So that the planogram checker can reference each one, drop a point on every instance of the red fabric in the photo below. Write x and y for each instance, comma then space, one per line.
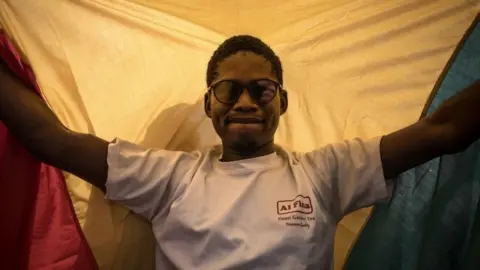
38, 226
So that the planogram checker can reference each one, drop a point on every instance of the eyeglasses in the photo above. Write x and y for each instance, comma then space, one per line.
229, 91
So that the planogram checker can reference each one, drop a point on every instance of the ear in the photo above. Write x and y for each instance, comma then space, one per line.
283, 101
206, 105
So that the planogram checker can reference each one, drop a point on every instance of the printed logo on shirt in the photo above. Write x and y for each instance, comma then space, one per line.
301, 204
296, 212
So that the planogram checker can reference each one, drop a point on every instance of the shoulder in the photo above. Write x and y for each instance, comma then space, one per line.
123, 150
337, 151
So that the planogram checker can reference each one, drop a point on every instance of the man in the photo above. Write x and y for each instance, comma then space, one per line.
247, 203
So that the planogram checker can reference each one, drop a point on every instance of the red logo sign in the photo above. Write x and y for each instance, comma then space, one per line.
301, 204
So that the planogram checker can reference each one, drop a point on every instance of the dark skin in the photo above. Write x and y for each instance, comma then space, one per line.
241, 141
33, 123
452, 128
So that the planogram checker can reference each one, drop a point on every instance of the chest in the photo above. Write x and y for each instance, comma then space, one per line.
260, 213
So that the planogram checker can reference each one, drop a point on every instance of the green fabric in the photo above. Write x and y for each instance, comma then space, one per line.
471, 259
433, 219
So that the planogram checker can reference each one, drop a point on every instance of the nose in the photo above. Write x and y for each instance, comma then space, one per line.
245, 103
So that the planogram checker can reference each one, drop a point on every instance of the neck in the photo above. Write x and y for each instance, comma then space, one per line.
233, 153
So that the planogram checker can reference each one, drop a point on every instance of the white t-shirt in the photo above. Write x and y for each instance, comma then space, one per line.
277, 211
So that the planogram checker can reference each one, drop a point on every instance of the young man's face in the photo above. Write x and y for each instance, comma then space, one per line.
245, 123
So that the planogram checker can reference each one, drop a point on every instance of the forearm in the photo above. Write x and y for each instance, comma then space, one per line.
459, 118
409, 147
30, 120
26, 115
452, 128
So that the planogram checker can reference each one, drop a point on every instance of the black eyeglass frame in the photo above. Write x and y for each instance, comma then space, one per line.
246, 86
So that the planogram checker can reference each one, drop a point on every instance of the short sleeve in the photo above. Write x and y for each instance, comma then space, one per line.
348, 175
143, 179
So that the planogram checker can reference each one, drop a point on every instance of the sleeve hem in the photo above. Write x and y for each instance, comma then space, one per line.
112, 162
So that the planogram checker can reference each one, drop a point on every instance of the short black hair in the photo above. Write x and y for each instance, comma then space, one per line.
243, 43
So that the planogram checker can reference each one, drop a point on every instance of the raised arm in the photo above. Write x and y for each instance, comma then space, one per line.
450, 129
37, 127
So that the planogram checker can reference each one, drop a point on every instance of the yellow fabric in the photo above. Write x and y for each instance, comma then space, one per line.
136, 69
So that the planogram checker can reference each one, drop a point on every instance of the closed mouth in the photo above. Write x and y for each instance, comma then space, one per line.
244, 120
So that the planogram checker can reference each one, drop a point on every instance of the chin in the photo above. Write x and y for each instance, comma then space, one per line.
244, 141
